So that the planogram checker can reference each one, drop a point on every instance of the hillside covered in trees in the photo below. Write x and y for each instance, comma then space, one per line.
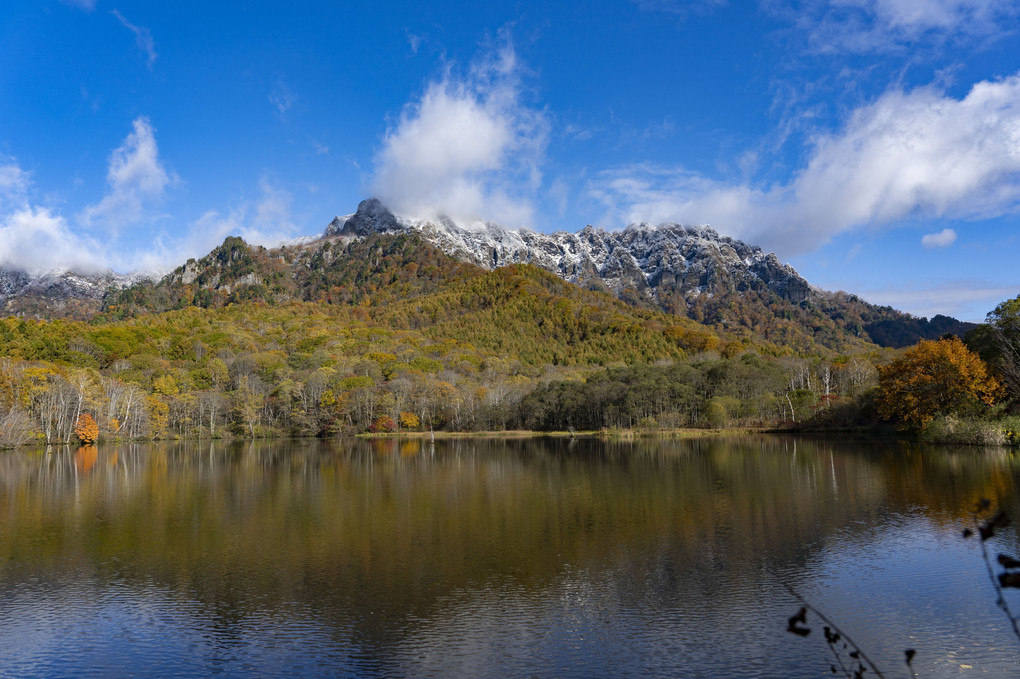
379, 333
248, 369
387, 333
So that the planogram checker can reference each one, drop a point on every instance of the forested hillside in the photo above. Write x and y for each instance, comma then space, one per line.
375, 334
386, 332
249, 369
376, 270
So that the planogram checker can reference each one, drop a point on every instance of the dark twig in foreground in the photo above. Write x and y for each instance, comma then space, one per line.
1010, 575
986, 529
833, 635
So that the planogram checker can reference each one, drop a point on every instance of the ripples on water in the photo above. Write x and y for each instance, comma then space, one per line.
493, 558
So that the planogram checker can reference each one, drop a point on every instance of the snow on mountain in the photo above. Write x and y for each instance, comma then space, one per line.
650, 260
691, 260
685, 270
56, 290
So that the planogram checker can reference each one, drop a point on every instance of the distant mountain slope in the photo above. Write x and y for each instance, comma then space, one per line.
378, 269
900, 330
685, 270
523, 311
57, 294
402, 282
375, 258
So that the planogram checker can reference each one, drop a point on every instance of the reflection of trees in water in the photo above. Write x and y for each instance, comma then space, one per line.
395, 526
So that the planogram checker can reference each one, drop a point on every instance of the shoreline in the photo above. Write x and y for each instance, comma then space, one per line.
611, 434
608, 435
883, 433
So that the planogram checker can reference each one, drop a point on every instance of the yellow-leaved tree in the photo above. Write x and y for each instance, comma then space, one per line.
86, 429
932, 378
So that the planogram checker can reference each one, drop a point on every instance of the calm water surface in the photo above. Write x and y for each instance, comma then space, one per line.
495, 558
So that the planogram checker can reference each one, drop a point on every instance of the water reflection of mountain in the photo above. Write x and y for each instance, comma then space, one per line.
384, 538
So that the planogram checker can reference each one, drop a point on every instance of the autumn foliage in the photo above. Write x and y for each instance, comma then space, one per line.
383, 425
86, 429
935, 378
389, 334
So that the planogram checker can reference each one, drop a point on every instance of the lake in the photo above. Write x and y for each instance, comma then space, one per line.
516, 558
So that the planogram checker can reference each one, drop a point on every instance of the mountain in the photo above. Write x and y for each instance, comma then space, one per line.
377, 258
399, 282
60, 293
684, 270
376, 270
652, 260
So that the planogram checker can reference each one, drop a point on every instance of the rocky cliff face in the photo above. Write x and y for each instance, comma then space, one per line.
686, 270
651, 260
11, 282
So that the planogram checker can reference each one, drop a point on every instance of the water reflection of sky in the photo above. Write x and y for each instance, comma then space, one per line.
915, 584
103, 630
500, 559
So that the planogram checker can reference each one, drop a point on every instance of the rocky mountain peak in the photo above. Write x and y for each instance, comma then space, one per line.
371, 217
643, 258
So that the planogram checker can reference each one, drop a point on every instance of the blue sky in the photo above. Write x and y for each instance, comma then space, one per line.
873, 144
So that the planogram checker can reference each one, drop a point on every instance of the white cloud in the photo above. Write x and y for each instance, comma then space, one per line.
413, 41
911, 18
281, 97
166, 252
13, 185
265, 220
270, 222
942, 239
36, 240
143, 37
922, 15
136, 179
655, 194
468, 148
559, 193
865, 26
909, 154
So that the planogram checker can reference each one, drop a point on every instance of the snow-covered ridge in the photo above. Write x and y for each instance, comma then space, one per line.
654, 260
60, 285
668, 262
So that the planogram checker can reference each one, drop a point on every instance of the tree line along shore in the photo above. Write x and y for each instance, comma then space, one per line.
253, 371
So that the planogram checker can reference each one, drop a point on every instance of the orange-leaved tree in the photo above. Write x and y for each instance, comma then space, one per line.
86, 429
932, 378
